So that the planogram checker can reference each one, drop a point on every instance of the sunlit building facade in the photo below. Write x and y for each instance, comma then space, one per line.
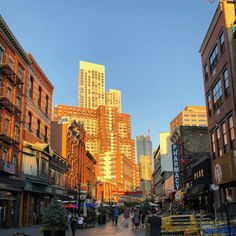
91, 85
190, 116
113, 98
218, 53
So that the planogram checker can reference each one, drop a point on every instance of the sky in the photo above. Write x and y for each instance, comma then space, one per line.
150, 49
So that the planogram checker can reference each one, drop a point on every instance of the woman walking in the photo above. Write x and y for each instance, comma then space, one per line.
73, 223
136, 219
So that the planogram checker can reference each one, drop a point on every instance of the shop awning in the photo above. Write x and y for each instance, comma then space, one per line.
197, 190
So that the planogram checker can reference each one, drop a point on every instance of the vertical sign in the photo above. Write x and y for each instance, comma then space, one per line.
176, 169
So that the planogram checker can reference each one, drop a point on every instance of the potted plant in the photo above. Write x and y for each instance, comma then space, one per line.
54, 220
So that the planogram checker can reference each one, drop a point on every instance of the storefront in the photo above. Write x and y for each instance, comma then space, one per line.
198, 195
10, 197
224, 176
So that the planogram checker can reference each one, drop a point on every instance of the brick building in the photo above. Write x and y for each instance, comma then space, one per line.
219, 66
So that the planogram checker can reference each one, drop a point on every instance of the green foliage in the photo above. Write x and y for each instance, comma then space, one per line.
102, 210
131, 204
54, 217
145, 207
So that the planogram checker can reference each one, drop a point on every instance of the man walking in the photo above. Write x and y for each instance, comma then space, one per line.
116, 215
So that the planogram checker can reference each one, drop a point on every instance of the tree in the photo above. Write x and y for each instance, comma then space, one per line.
55, 217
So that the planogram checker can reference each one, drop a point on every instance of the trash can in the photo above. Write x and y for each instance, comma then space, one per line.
155, 225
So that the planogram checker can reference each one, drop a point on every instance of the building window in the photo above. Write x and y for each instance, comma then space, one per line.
217, 94
18, 102
225, 142
45, 134
38, 129
17, 133
213, 145
209, 102
31, 88
222, 42
40, 97
1, 55
20, 72
9, 94
14, 158
231, 130
214, 58
218, 142
46, 107
30, 121
226, 82
206, 72
6, 127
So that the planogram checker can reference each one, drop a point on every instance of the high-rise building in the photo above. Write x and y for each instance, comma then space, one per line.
91, 85
113, 98
108, 137
190, 116
143, 146
218, 53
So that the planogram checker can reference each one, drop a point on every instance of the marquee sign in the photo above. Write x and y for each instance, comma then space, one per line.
176, 166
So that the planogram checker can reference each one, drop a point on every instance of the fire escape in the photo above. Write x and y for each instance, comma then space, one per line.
10, 104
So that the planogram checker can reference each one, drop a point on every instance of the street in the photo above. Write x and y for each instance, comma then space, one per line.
99, 230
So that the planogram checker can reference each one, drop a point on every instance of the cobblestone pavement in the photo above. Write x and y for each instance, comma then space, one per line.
100, 230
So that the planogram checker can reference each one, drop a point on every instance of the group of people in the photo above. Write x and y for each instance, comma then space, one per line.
137, 217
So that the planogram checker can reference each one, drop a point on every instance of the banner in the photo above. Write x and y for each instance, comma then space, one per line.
176, 167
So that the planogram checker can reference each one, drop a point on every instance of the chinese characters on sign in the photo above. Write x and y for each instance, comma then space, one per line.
176, 170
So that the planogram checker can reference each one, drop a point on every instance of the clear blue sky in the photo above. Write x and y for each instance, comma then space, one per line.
149, 47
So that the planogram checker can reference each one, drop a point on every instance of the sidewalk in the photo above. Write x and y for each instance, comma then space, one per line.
99, 230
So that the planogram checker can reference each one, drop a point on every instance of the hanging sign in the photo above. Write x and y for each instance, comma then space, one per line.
176, 169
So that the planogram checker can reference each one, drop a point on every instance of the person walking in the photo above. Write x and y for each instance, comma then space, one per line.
136, 219
116, 215
126, 216
73, 223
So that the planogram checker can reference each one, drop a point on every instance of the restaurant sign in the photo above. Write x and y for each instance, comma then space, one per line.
176, 167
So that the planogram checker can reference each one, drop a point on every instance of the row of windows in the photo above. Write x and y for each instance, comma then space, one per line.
31, 92
219, 147
38, 134
213, 59
216, 93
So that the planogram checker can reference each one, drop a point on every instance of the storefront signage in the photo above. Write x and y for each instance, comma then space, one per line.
176, 167
224, 169
201, 172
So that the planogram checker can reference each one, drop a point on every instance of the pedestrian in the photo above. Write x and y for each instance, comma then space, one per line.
73, 223
116, 215
126, 216
81, 221
136, 219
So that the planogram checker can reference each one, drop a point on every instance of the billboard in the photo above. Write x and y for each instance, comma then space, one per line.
176, 166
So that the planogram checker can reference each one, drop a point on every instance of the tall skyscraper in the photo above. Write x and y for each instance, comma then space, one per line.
190, 116
91, 85
113, 98
143, 146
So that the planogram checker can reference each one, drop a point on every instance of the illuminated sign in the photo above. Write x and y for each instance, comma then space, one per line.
176, 167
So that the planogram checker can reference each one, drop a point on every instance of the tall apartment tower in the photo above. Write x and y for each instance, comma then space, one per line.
190, 116
91, 85
218, 53
113, 98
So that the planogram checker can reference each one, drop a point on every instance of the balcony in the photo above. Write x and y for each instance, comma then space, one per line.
5, 134
6, 101
7, 71
7, 168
